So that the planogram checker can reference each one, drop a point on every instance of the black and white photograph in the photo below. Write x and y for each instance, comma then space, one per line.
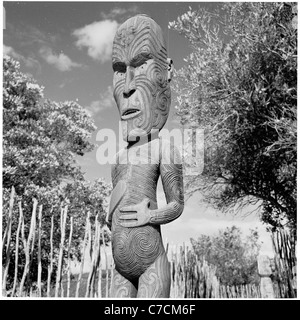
149, 151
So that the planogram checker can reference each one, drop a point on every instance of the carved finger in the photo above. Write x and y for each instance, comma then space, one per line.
130, 224
128, 216
129, 209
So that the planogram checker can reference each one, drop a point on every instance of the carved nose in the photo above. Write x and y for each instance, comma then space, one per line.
127, 94
129, 87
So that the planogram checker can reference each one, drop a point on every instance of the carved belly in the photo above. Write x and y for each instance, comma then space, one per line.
135, 249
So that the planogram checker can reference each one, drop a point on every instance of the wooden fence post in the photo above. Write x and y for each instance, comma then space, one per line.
106, 266
26, 244
63, 220
69, 257
50, 267
39, 278
17, 249
82, 255
265, 272
95, 259
7, 238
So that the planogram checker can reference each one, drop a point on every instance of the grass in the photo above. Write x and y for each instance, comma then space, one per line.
83, 285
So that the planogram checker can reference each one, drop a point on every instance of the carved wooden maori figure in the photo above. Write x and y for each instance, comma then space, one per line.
143, 96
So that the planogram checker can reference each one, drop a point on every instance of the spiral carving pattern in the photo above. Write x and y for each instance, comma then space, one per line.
122, 288
141, 82
135, 250
156, 281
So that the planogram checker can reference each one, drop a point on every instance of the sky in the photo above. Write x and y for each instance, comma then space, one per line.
66, 47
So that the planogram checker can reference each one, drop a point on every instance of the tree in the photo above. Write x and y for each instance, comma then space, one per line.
234, 257
240, 86
41, 140
87, 196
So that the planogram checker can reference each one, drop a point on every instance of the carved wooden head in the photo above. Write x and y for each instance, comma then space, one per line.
141, 84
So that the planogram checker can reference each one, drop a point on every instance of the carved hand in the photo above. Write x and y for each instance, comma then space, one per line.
136, 215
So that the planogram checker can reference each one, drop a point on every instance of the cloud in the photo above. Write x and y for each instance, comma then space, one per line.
117, 11
34, 40
30, 36
98, 38
94, 108
7, 50
28, 62
106, 101
61, 61
65, 82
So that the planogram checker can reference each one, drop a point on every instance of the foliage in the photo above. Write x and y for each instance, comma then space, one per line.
87, 196
41, 140
240, 86
235, 258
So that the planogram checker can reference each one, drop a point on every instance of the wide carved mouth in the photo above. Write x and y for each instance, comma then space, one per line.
129, 113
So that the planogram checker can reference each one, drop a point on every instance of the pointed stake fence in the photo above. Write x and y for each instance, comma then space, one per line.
50, 266
90, 289
191, 277
39, 280
26, 244
63, 219
106, 266
6, 239
285, 263
69, 257
17, 248
82, 255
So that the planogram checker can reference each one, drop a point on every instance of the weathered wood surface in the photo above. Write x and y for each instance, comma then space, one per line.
265, 272
142, 93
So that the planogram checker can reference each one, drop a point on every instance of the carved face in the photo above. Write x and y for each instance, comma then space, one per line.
141, 87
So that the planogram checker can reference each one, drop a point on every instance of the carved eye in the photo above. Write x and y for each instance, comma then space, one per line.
120, 74
142, 66
119, 69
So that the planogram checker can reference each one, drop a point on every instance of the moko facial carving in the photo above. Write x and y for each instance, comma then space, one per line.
142, 93
141, 86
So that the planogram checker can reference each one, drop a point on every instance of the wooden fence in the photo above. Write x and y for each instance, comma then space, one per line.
62, 286
191, 277
284, 264
195, 278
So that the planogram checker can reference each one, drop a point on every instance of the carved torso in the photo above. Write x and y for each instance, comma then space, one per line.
135, 249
